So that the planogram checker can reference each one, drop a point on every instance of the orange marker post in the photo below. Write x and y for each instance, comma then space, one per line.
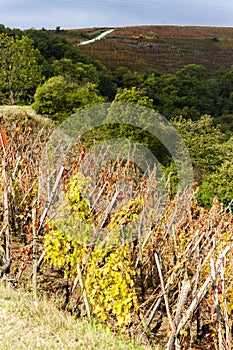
3, 140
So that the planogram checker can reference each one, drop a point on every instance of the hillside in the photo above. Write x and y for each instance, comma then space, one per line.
137, 239
162, 48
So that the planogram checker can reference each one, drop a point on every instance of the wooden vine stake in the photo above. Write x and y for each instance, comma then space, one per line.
214, 275
85, 298
3, 144
34, 254
225, 311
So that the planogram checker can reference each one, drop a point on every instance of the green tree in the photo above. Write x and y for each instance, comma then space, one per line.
77, 72
124, 120
127, 79
64, 67
11, 32
195, 92
20, 69
133, 95
59, 97
204, 142
211, 154
225, 95
107, 86
219, 185
163, 89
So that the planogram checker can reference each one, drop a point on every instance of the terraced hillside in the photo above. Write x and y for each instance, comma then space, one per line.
163, 48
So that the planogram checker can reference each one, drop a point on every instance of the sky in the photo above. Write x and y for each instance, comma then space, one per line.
70, 14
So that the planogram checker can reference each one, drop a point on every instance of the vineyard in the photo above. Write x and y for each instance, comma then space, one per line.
157, 270
162, 48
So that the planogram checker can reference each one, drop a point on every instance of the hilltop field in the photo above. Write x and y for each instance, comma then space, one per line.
162, 48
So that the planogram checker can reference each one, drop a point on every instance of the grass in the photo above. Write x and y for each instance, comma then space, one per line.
25, 324
17, 112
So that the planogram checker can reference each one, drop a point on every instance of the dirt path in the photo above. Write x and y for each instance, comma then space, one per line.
99, 37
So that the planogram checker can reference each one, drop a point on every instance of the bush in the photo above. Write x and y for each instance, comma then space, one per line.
58, 97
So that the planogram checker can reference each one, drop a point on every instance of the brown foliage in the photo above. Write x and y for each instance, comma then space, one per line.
164, 48
182, 254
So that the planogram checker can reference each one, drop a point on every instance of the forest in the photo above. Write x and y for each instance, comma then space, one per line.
93, 228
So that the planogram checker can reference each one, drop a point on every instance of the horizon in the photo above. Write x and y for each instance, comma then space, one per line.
123, 26
68, 14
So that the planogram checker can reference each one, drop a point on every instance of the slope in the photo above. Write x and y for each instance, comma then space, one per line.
163, 48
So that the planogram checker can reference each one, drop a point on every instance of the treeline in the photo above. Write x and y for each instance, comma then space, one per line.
188, 92
41, 68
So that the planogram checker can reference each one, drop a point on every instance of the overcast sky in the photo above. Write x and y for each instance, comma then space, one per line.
113, 13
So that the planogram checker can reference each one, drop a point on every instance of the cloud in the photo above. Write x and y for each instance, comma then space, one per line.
105, 13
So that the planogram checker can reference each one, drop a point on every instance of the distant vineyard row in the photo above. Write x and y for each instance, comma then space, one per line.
164, 48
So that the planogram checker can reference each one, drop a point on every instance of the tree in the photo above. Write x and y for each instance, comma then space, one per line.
204, 142
59, 97
225, 95
134, 95
218, 184
107, 86
11, 32
124, 120
163, 89
195, 92
187, 93
211, 155
126, 79
77, 72
20, 69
